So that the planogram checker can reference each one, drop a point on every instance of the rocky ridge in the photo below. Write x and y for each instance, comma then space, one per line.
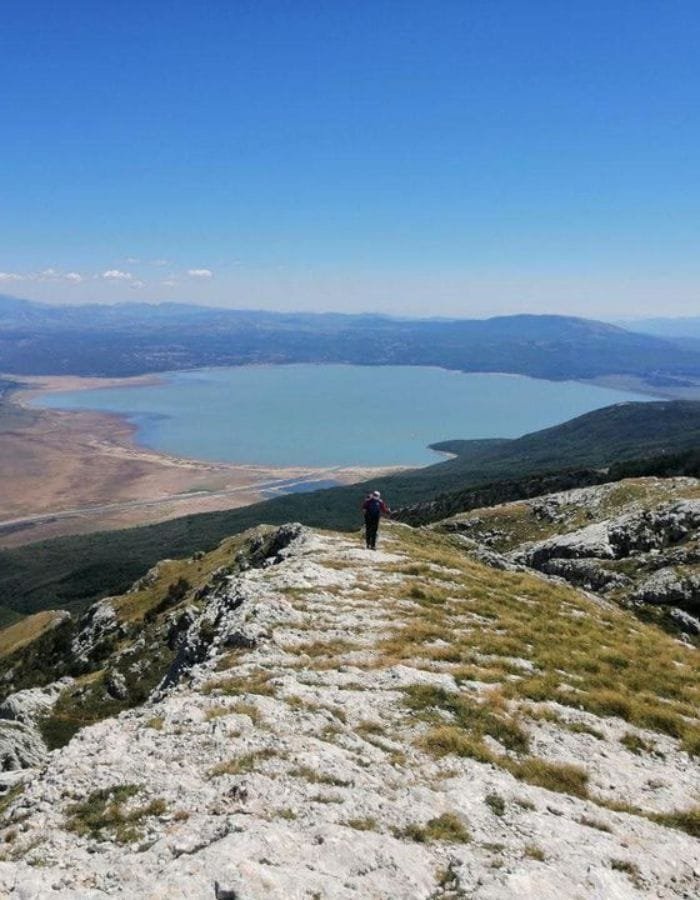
329, 722
636, 542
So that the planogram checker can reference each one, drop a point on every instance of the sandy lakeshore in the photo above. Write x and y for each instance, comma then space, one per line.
71, 472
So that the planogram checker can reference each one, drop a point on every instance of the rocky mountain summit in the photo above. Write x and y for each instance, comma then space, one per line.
292, 716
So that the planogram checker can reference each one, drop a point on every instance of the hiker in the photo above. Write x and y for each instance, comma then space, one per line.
373, 508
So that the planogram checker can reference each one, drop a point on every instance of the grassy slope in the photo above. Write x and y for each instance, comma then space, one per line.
583, 655
14, 637
623, 431
70, 572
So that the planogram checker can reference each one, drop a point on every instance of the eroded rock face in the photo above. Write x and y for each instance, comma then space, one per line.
134, 657
687, 623
116, 685
645, 542
593, 541
636, 533
99, 629
585, 573
21, 743
219, 625
654, 529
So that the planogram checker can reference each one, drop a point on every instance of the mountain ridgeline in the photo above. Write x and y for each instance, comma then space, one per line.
131, 339
629, 439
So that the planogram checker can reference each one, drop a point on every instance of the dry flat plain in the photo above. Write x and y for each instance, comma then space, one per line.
77, 471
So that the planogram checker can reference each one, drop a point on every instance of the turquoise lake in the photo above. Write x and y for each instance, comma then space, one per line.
335, 415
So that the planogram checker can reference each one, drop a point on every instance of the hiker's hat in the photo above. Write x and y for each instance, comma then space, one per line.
376, 494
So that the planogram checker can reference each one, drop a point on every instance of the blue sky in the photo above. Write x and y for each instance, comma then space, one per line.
467, 158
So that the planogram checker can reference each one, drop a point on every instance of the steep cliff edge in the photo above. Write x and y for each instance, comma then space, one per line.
293, 716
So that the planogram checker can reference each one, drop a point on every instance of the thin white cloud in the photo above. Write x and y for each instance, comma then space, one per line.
55, 275
117, 275
125, 277
49, 274
158, 262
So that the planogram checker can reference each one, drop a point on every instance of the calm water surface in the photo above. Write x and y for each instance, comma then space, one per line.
334, 415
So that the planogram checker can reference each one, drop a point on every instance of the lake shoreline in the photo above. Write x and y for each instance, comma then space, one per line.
254, 415
97, 476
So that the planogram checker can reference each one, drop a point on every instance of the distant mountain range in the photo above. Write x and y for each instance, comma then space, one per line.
131, 339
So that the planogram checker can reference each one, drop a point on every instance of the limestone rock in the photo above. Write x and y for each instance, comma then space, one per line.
21, 746
586, 573
116, 685
668, 585
28, 705
98, 628
591, 541
655, 528
687, 623
637, 542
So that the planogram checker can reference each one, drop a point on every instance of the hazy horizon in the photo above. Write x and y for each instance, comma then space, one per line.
614, 320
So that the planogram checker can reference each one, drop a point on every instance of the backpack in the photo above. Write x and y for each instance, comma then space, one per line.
374, 507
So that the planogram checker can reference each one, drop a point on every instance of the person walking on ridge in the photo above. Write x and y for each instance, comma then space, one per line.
374, 507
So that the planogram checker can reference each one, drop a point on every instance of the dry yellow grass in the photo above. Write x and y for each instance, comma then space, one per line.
601, 660
21, 633
239, 765
532, 640
333, 647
